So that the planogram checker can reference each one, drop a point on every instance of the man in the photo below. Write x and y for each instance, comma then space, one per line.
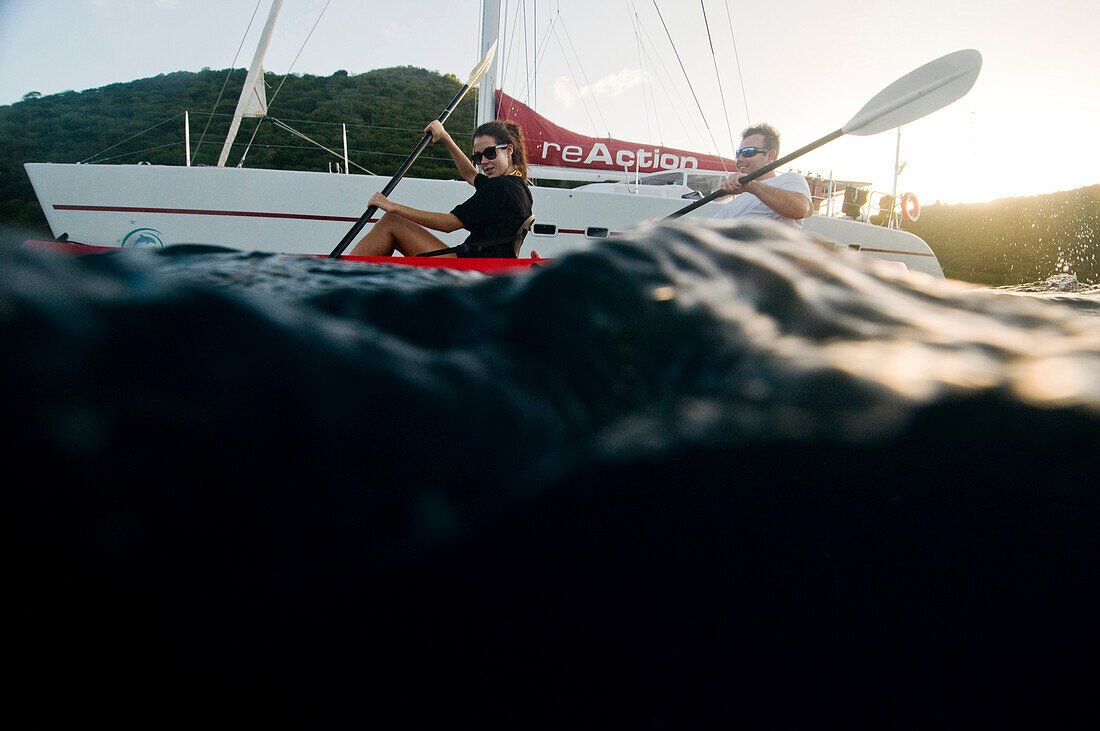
783, 197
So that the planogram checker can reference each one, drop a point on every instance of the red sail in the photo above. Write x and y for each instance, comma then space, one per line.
549, 144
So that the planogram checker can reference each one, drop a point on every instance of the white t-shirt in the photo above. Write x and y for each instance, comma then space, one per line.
747, 205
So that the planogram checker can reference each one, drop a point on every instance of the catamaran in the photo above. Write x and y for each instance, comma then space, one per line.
295, 212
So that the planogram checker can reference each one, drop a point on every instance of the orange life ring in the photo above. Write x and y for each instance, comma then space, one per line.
910, 207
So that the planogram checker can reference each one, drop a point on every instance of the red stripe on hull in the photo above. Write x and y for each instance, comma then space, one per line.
241, 214
205, 212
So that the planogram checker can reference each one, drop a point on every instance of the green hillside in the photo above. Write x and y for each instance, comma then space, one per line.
1016, 240
1004, 242
385, 112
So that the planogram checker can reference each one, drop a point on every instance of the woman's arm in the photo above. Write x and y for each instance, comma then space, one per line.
445, 222
465, 167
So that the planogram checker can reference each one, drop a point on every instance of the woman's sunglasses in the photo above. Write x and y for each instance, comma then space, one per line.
490, 153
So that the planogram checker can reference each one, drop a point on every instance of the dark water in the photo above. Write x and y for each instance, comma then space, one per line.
705, 477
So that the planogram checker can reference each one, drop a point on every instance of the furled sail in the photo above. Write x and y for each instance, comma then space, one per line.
253, 99
558, 153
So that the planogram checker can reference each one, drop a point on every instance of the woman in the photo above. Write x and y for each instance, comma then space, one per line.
493, 215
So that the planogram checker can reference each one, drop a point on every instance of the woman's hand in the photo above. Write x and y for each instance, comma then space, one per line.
380, 201
435, 127
465, 168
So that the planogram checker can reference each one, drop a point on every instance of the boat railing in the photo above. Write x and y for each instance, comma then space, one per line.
854, 201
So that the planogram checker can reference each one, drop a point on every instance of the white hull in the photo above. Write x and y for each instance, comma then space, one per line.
308, 213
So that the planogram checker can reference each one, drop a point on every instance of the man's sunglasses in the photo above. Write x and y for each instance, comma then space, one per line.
490, 153
750, 151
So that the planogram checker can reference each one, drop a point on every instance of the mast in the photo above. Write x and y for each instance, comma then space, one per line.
253, 101
486, 91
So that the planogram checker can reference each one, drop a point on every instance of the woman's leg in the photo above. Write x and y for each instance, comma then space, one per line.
396, 233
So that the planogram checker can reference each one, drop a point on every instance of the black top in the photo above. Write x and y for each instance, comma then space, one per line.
494, 213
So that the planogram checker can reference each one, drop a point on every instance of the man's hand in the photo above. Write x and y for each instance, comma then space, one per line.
732, 184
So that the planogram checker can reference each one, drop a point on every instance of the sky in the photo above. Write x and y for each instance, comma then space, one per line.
1027, 127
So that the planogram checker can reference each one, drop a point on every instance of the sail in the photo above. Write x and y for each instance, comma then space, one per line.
253, 99
551, 146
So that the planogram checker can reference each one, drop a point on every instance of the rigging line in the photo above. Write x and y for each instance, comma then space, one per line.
283, 81
506, 58
674, 104
526, 59
138, 152
240, 163
540, 53
502, 47
507, 52
646, 79
736, 58
123, 142
553, 13
687, 78
580, 94
302, 48
225, 83
540, 50
528, 94
721, 92
588, 84
282, 147
352, 125
293, 131
641, 66
532, 65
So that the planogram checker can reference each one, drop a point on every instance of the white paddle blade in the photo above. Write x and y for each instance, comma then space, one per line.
480, 70
931, 87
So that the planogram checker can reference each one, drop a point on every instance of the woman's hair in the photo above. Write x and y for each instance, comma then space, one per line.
507, 132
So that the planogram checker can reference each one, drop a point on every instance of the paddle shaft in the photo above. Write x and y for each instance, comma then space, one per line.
371, 210
754, 175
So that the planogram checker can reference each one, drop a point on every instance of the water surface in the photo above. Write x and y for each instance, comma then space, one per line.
703, 474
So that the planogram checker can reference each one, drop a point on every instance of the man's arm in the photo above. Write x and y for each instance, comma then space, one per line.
787, 203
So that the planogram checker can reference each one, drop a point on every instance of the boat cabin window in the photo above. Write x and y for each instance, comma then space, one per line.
673, 178
704, 184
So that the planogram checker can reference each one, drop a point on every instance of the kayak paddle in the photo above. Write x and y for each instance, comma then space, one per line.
922, 91
475, 76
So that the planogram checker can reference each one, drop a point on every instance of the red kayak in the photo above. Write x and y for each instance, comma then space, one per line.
488, 266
